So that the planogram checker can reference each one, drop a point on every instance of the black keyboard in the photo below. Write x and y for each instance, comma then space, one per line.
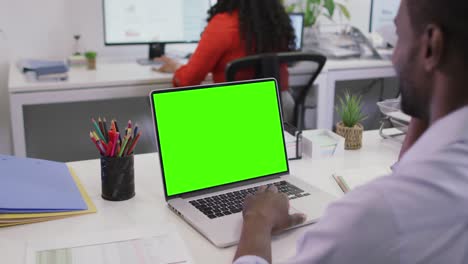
232, 202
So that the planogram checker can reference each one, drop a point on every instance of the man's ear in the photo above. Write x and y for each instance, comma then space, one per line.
434, 47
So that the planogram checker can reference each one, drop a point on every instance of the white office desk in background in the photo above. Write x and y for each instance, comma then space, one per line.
126, 80
148, 208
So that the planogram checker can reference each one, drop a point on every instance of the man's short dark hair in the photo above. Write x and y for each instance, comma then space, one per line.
450, 15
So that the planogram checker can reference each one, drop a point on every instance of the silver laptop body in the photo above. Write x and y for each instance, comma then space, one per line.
216, 212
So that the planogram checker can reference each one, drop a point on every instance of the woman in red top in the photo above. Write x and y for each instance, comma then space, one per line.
236, 28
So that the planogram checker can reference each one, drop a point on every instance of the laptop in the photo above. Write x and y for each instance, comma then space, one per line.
218, 143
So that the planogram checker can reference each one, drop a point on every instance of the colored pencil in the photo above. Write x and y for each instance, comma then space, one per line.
113, 125
117, 129
96, 137
116, 136
96, 126
96, 143
104, 123
132, 146
101, 127
111, 143
135, 130
109, 148
129, 142
102, 147
124, 144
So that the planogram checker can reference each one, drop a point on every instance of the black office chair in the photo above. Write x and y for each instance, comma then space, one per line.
268, 65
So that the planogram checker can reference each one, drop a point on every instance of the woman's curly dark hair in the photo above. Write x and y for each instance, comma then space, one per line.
264, 24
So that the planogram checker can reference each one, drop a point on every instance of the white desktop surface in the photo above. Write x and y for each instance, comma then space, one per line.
107, 74
131, 73
148, 207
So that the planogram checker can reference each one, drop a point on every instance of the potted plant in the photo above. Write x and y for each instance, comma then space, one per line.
312, 10
91, 59
350, 111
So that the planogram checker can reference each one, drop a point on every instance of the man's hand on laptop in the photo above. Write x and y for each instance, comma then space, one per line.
265, 213
270, 209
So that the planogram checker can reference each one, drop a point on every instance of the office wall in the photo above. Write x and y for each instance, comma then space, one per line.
87, 21
5, 142
31, 29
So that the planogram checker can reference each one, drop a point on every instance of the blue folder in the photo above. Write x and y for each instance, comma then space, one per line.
44, 67
37, 186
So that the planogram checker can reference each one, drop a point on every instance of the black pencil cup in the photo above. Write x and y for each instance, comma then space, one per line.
117, 178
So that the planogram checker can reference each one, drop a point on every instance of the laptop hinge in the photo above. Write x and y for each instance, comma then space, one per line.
227, 187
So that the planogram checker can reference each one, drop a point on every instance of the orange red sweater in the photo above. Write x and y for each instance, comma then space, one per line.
220, 44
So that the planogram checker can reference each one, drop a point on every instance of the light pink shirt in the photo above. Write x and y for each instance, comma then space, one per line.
419, 214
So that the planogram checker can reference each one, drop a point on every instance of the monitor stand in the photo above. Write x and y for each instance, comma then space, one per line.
156, 50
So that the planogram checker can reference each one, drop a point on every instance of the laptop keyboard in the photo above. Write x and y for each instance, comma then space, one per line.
232, 202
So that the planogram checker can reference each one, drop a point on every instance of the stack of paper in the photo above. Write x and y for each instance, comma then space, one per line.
33, 190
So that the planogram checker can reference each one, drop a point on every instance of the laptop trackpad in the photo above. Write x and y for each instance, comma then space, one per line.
293, 210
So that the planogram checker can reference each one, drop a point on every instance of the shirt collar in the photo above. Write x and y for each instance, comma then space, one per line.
450, 129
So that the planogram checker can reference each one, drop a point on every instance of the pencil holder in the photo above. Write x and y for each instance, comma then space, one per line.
117, 178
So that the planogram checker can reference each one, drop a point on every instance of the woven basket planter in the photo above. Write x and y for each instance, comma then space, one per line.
352, 135
91, 62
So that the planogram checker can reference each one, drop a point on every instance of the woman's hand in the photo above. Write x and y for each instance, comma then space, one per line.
169, 66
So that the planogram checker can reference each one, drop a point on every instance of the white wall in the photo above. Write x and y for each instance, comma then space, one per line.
45, 29
360, 13
31, 29
5, 145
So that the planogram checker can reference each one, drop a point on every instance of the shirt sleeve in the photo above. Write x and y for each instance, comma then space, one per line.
360, 228
250, 260
214, 42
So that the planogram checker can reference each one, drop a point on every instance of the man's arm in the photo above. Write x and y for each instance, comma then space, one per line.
357, 229
265, 213
258, 244
416, 128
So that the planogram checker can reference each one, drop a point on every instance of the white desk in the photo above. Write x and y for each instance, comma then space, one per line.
148, 206
123, 80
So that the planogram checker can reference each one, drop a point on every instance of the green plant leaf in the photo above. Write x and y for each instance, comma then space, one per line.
330, 7
290, 8
344, 10
350, 109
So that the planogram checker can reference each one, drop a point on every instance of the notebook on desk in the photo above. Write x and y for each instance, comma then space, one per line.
348, 180
219, 143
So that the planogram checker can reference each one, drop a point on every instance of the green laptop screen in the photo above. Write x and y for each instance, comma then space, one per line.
217, 135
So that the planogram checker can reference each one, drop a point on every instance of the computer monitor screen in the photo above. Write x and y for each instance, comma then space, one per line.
383, 12
297, 20
219, 134
150, 21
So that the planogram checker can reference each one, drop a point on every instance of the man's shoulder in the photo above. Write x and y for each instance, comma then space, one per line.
436, 183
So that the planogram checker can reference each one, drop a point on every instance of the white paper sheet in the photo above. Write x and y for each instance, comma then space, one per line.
124, 246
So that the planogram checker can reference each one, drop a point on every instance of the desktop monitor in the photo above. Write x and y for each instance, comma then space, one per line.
297, 21
154, 22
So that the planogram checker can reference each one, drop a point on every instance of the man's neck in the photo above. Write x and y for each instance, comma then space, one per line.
449, 95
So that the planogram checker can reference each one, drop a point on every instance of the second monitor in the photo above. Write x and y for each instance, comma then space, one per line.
154, 22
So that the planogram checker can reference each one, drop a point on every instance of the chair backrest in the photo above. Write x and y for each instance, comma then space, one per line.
268, 65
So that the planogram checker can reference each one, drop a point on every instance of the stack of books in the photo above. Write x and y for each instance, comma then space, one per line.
33, 190
45, 70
